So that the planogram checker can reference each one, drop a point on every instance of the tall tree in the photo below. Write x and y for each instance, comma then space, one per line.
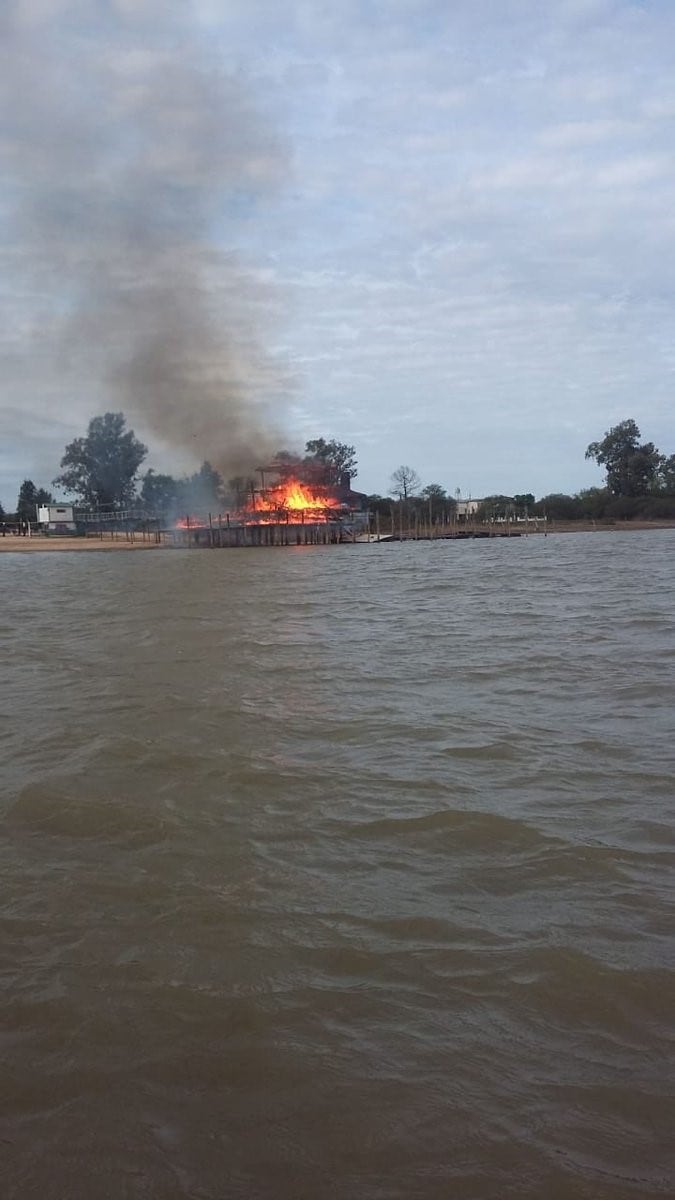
337, 458
404, 482
558, 506
436, 498
205, 489
29, 499
632, 469
26, 503
101, 468
161, 494
495, 506
435, 492
524, 501
667, 475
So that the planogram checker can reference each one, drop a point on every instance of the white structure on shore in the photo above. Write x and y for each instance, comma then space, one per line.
466, 508
56, 518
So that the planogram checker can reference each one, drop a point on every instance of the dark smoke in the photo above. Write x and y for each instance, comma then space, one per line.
132, 159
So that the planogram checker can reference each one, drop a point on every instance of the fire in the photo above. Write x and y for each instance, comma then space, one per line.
190, 523
295, 497
290, 501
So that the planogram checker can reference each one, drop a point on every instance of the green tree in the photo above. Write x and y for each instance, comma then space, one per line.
26, 503
558, 506
632, 468
161, 494
667, 476
592, 502
101, 468
29, 499
336, 458
325, 463
524, 502
434, 492
437, 502
204, 491
495, 507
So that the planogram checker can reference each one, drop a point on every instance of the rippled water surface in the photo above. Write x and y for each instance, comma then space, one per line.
339, 872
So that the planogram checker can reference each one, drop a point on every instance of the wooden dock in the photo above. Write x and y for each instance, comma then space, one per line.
222, 533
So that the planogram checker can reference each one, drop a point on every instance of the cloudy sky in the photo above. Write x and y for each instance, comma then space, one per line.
442, 230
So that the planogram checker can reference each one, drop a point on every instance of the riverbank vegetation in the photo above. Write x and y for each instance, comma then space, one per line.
102, 470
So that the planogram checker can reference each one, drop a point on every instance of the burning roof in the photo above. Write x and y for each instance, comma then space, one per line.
290, 501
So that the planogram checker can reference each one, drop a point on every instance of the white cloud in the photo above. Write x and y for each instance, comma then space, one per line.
576, 134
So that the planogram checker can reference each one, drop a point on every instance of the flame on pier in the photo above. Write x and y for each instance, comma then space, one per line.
290, 501
293, 497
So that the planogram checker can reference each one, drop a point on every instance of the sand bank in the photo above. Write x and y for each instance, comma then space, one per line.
38, 544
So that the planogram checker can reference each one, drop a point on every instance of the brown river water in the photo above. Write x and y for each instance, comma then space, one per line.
339, 872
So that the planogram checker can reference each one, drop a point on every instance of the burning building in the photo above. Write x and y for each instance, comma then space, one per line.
291, 510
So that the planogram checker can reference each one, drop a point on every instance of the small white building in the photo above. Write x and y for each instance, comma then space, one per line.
56, 518
467, 508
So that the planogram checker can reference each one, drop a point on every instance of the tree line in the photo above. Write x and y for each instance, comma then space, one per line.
325, 463
102, 471
639, 483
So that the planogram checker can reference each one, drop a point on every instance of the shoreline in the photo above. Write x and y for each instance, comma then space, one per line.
14, 544
38, 544
636, 526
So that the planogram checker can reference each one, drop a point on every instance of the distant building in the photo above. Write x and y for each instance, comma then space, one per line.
467, 508
56, 518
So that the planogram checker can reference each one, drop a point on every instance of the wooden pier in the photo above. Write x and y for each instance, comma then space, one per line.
222, 533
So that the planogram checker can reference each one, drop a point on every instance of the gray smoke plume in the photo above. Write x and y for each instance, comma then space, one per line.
132, 158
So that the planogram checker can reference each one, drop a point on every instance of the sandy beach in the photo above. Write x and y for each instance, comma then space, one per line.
11, 543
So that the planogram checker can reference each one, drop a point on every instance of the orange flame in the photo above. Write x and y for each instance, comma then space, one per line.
289, 500
191, 523
296, 497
